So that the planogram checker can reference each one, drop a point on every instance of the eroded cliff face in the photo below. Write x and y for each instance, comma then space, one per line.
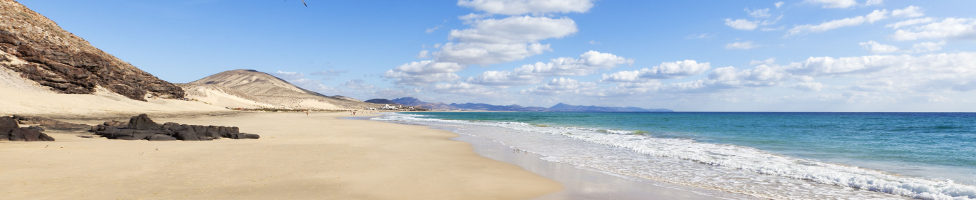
41, 51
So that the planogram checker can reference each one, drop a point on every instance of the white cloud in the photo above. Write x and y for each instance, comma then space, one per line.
768, 61
740, 45
834, 3
519, 7
809, 86
432, 29
587, 63
928, 46
491, 41
846, 65
423, 54
516, 29
873, 2
876, 47
742, 24
422, 72
945, 29
562, 85
909, 22
665, 70
758, 13
778, 4
910, 11
488, 53
872, 17
464, 88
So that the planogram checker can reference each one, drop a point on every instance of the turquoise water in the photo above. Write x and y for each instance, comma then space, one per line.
940, 147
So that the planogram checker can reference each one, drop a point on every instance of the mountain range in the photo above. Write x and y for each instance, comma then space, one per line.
561, 107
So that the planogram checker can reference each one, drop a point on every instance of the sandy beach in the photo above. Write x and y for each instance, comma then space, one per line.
298, 157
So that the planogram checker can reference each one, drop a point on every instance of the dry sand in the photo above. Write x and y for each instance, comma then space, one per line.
22, 96
297, 157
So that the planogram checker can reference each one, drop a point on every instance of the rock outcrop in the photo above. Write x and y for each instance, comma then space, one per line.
142, 128
50, 124
9, 130
40, 50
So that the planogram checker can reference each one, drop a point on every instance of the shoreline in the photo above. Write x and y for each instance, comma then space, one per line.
297, 157
583, 183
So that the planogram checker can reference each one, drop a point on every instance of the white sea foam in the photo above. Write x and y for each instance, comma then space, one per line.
715, 166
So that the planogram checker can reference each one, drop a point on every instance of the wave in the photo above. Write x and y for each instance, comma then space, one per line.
734, 157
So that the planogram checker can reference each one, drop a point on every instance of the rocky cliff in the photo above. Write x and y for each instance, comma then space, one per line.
41, 51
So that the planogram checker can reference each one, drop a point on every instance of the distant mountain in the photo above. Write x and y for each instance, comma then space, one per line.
561, 107
489, 107
410, 101
380, 101
253, 89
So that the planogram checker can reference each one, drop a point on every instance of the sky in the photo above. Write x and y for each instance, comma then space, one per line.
804, 55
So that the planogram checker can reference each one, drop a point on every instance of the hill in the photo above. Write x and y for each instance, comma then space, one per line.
250, 89
39, 50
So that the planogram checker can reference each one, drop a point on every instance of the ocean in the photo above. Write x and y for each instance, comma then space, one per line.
764, 155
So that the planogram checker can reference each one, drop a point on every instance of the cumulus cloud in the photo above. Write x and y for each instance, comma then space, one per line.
422, 72
665, 70
935, 63
519, 7
928, 46
587, 63
758, 13
778, 4
910, 11
809, 86
834, 3
910, 22
562, 85
464, 88
873, 2
948, 28
872, 17
740, 45
742, 24
876, 47
491, 41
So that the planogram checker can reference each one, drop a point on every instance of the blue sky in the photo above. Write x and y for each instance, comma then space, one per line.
807, 55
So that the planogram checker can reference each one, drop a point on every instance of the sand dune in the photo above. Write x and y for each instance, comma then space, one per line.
22, 96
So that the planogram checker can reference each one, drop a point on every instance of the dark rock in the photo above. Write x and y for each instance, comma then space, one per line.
141, 127
25, 134
142, 122
51, 124
187, 134
7, 124
161, 137
67, 63
9, 130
